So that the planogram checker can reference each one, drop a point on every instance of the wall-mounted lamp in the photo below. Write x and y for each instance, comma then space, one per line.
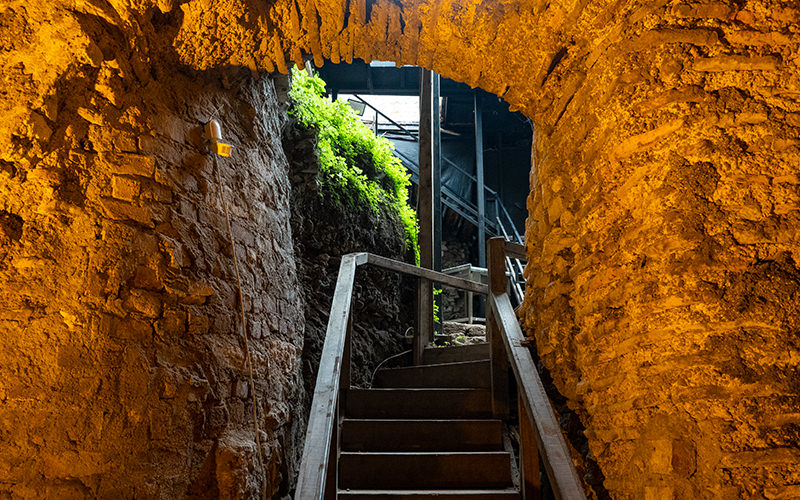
214, 136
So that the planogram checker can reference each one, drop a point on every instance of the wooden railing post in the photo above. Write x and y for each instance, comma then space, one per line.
530, 476
424, 334
499, 360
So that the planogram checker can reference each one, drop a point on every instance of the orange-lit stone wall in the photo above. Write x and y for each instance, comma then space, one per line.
663, 284
122, 372
664, 233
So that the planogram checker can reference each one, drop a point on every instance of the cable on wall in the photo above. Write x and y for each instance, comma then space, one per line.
213, 132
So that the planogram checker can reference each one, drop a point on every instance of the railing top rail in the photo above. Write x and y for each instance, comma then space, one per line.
516, 251
421, 272
552, 446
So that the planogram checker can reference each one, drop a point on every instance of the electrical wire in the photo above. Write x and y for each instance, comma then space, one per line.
248, 357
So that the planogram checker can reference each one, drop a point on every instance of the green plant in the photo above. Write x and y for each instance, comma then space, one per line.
436, 293
357, 168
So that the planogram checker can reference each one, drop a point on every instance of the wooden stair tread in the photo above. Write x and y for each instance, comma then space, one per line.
421, 435
418, 403
471, 352
492, 494
457, 374
424, 470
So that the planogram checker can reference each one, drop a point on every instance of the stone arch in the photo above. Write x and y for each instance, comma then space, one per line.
663, 207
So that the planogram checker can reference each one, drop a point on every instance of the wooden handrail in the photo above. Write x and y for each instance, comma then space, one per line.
421, 272
321, 422
321, 435
503, 328
553, 448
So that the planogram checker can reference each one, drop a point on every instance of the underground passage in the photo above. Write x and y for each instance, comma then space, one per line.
230, 268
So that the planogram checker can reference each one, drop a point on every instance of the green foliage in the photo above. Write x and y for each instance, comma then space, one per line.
436, 292
357, 168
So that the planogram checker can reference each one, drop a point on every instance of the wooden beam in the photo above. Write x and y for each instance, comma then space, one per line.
552, 445
498, 356
437, 173
420, 272
426, 169
426, 222
516, 251
530, 481
479, 175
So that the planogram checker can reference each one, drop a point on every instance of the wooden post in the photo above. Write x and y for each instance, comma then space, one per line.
499, 359
426, 216
437, 172
530, 479
481, 186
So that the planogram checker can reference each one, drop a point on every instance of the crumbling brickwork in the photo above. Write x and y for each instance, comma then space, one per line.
663, 283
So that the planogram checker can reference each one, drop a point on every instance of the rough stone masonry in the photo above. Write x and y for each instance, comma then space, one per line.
663, 230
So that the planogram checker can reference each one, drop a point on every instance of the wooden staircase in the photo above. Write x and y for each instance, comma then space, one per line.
425, 432
433, 430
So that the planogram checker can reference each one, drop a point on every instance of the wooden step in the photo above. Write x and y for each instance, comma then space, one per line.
461, 374
421, 435
504, 494
412, 471
451, 354
417, 403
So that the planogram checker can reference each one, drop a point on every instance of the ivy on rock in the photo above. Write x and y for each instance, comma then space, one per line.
357, 168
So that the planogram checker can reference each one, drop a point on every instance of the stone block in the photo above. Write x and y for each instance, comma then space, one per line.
125, 188
132, 329
130, 164
172, 324
198, 324
144, 302
122, 210
659, 493
660, 459
241, 389
737, 63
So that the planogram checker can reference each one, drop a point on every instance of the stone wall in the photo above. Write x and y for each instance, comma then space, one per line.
664, 208
122, 370
663, 234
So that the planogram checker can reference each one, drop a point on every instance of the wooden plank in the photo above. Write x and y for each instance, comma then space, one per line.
418, 403
455, 494
552, 446
425, 163
428, 470
479, 175
498, 283
317, 451
499, 359
424, 334
459, 374
516, 251
436, 140
421, 435
530, 481
498, 372
469, 352
444, 279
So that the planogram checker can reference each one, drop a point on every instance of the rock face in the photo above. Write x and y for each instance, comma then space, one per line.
123, 372
324, 230
663, 235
